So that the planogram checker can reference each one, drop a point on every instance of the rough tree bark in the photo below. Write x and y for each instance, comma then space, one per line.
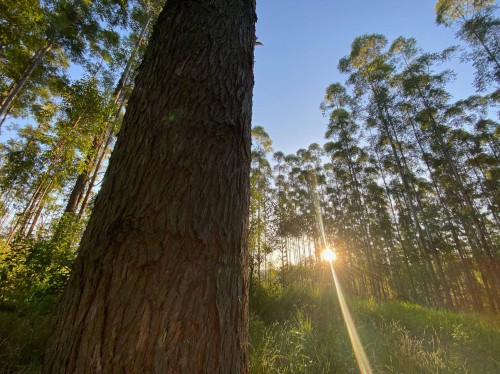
160, 281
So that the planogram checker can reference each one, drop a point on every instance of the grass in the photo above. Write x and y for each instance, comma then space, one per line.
22, 340
299, 329
398, 337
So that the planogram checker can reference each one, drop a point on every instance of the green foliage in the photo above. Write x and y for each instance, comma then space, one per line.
476, 23
448, 11
33, 273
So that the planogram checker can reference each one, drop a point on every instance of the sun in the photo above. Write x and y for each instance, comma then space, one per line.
328, 255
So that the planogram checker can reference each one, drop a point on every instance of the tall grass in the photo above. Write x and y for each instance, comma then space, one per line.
305, 334
299, 329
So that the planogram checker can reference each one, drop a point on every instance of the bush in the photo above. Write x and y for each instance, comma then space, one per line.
33, 273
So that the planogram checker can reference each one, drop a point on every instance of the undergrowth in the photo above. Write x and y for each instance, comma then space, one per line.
299, 329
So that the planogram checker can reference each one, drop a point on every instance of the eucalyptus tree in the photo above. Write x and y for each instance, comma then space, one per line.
458, 186
289, 206
20, 26
260, 202
422, 102
477, 24
142, 19
295, 207
481, 230
310, 186
163, 258
395, 236
344, 150
370, 72
306, 181
279, 171
82, 114
56, 32
21, 164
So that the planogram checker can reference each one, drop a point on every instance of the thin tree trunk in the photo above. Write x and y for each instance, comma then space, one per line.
92, 181
35, 62
78, 189
478, 223
119, 92
389, 129
39, 209
470, 281
396, 226
82, 179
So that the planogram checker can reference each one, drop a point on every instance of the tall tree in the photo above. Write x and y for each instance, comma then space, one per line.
476, 24
260, 190
72, 28
343, 130
160, 280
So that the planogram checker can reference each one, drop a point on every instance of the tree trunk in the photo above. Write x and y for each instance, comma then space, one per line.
79, 187
390, 131
396, 224
35, 62
76, 192
160, 281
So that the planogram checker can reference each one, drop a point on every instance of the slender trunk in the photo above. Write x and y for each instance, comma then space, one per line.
363, 224
470, 281
396, 226
389, 129
95, 174
39, 209
76, 194
429, 242
82, 179
21, 222
119, 92
35, 62
7, 93
24, 219
478, 223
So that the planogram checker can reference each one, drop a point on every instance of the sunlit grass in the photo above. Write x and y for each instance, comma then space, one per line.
309, 336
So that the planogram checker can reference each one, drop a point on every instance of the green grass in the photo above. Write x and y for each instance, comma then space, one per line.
299, 329
398, 337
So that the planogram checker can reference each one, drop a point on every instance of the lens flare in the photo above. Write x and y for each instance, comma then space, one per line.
328, 255
331, 256
357, 346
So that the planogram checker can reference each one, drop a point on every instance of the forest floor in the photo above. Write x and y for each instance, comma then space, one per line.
301, 330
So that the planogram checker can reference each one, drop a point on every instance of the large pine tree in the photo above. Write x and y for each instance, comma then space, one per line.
160, 281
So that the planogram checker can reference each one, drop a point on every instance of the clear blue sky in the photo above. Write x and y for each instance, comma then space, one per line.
303, 42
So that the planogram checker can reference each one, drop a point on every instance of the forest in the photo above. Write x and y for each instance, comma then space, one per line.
149, 226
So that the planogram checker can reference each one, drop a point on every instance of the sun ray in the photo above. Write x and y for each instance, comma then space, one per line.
330, 256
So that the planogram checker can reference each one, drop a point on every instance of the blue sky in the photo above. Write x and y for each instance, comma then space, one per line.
303, 42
